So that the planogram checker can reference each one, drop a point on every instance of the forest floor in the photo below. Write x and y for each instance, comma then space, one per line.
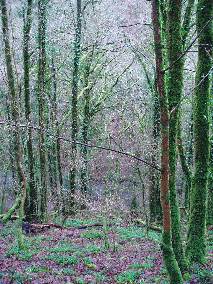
117, 254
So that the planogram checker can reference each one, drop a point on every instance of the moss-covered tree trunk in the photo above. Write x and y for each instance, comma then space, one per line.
210, 184
41, 106
20, 201
196, 247
75, 80
185, 167
85, 126
168, 254
154, 191
55, 172
174, 88
31, 200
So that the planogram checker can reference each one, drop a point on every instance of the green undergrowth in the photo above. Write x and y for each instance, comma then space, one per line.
62, 259
93, 234
128, 277
26, 254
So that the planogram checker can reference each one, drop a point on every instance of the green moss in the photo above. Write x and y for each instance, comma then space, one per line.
196, 247
174, 90
170, 261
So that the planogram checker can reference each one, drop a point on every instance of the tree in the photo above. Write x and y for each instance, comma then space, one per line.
196, 246
31, 200
168, 254
41, 105
75, 81
20, 201
174, 89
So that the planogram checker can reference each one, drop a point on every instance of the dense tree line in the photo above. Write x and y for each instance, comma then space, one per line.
54, 149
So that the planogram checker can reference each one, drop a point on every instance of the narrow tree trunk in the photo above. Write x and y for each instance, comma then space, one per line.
85, 126
210, 184
55, 160
31, 200
41, 105
77, 48
168, 254
154, 192
185, 168
15, 118
196, 247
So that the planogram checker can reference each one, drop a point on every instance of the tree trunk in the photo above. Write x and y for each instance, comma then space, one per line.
15, 119
168, 254
77, 49
185, 168
196, 247
85, 127
174, 87
41, 106
31, 200
154, 192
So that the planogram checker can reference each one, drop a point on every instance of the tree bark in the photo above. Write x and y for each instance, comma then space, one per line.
31, 200
77, 50
174, 87
196, 247
20, 201
41, 106
168, 254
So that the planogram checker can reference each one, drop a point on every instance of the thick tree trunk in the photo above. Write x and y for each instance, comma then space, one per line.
41, 106
168, 254
174, 87
196, 247
31, 200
